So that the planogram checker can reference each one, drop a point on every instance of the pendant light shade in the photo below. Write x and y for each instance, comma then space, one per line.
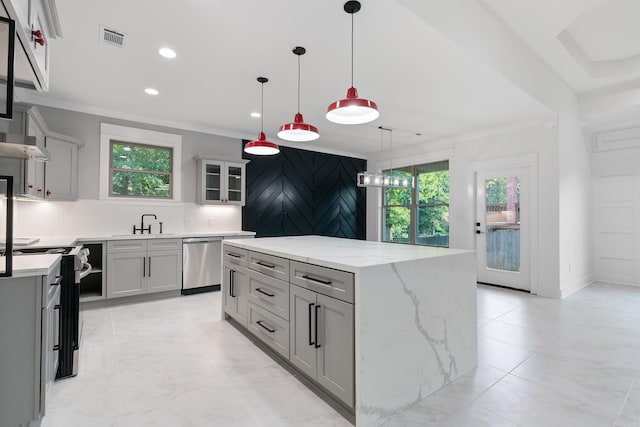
352, 110
298, 130
260, 146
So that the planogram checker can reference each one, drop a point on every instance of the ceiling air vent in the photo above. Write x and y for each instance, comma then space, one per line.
111, 36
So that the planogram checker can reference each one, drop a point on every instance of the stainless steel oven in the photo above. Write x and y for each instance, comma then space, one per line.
73, 267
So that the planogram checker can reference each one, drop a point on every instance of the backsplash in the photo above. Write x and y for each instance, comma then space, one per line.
90, 217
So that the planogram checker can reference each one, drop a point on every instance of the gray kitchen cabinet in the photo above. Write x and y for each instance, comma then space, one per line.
164, 271
37, 23
126, 274
220, 181
235, 291
61, 171
322, 341
137, 267
29, 325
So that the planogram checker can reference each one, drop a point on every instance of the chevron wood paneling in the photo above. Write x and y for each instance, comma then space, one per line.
303, 192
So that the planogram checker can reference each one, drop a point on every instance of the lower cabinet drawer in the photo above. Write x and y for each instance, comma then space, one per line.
270, 328
269, 293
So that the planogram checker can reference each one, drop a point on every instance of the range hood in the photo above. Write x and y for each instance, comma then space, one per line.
17, 146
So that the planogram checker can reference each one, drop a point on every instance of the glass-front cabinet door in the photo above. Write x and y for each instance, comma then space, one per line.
221, 182
235, 184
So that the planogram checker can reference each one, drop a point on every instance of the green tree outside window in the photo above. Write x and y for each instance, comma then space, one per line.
142, 171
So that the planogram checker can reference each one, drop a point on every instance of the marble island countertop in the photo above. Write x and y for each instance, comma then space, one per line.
32, 265
342, 254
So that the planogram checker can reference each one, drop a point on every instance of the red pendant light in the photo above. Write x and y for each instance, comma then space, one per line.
298, 130
260, 146
352, 110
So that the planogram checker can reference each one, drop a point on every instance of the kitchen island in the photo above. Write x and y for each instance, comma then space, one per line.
413, 310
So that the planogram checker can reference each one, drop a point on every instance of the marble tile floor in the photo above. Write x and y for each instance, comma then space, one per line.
542, 362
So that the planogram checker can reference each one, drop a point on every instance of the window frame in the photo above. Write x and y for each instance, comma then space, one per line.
142, 171
122, 134
414, 206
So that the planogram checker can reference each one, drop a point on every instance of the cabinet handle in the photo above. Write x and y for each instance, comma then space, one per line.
230, 279
149, 266
310, 310
265, 293
231, 254
48, 193
233, 283
57, 281
144, 267
313, 279
264, 264
316, 328
57, 306
56, 347
267, 328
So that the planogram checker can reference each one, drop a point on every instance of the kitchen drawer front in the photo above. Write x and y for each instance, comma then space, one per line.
269, 293
271, 329
48, 290
235, 255
334, 283
270, 265
164, 244
124, 246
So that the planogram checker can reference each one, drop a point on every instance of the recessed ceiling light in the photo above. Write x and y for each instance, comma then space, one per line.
151, 91
256, 115
167, 53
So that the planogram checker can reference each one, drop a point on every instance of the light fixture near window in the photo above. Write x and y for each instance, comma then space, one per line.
388, 180
298, 130
260, 146
352, 110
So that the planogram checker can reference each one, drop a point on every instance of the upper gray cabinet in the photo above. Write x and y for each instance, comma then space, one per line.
7, 47
221, 181
61, 171
37, 23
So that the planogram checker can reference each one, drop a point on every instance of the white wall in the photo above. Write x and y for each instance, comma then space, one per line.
92, 216
539, 140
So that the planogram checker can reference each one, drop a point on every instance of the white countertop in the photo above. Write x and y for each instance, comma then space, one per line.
72, 240
33, 265
342, 254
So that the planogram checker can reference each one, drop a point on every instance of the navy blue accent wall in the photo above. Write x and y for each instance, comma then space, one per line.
301, 192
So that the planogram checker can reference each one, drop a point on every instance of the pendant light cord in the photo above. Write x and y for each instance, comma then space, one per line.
298, 83
262, 107
352, 50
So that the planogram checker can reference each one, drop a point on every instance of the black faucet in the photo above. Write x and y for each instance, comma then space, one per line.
142, 229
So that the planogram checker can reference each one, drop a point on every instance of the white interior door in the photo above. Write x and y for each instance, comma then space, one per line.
503, 227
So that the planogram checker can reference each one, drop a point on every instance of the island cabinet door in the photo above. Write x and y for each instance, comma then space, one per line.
230, 302
302, 351
336, 348
241, 292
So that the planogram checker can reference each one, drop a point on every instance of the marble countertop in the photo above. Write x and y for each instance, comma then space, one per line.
32, 265
72, 240
342, 254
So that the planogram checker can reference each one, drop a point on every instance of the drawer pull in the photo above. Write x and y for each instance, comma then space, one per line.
317, 339
313, 279
231, 254
311, 342
267, 328
57, 281
264, 264
265, 293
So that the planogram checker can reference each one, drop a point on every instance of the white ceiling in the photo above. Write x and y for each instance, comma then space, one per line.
423, 83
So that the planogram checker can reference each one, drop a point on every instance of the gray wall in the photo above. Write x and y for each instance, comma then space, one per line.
87, 128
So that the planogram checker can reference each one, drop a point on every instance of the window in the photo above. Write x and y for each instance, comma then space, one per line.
138, 170
418, 215
139, 164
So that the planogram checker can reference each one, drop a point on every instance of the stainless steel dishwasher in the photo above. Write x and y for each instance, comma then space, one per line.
201, 264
